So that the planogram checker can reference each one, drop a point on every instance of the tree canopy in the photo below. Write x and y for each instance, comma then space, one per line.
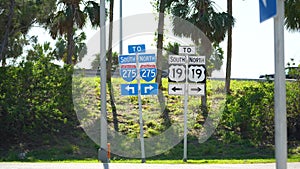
16, 19
70, 16
292, 15
203, 15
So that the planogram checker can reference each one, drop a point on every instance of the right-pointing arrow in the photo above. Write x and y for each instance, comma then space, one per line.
149, 88
198, 89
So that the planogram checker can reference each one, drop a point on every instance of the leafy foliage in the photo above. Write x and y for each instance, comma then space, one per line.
96, 62
80, 50
17, 17
292, 14
35, 100
201, 13
69, 17
249, 113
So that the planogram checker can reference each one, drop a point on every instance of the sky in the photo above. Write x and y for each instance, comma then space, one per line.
253, 42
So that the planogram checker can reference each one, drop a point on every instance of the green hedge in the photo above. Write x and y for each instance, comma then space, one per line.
249, 113
35, 100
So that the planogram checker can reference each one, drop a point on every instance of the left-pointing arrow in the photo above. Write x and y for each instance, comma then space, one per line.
128, 88
175, 88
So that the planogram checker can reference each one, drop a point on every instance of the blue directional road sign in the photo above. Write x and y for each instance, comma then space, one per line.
129, 89
128, 72
126, 59
148, 72
148, 69
267, 9
149, 89
128, 69
146, 58
141, 48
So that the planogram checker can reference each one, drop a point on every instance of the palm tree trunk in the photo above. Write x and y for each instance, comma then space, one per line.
160, 37
204, 103
3, 61
6, 34
71, 44
109, 67
229, 51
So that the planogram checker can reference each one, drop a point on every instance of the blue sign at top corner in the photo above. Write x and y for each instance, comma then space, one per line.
141, 48
125, 59
267, 9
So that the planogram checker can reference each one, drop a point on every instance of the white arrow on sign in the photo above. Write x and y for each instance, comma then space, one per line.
128, 88
150, 87
265, 3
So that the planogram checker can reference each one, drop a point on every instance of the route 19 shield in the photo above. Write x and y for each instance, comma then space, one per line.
177, 73
197, 73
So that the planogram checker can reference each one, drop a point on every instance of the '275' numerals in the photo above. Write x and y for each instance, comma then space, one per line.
129, 73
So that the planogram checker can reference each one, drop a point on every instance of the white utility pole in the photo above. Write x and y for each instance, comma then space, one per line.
102, 153
121, 28
280, 89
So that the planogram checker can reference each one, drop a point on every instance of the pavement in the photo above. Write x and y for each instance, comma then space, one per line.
140, 166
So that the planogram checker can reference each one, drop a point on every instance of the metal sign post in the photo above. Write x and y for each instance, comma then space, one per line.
186, 51
280, 89
187, 76
268, 9
102, 153
185, 131
138, 66
121, 28
140, 111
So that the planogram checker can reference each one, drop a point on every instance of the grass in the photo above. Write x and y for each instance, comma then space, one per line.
205, 161
82, 150
202, 161
78, 148
210, 152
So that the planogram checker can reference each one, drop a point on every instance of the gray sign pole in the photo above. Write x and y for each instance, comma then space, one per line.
121, 28
138, 78
280, 90
186, 50
186, 97
102, 154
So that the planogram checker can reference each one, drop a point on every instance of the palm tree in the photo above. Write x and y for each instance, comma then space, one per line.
202, 14
292, 14
16, 19
8, 26
109, 67
163, 4
80, 49
229, 51
69, 18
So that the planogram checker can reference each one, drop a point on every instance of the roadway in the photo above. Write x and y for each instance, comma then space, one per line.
140, 166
